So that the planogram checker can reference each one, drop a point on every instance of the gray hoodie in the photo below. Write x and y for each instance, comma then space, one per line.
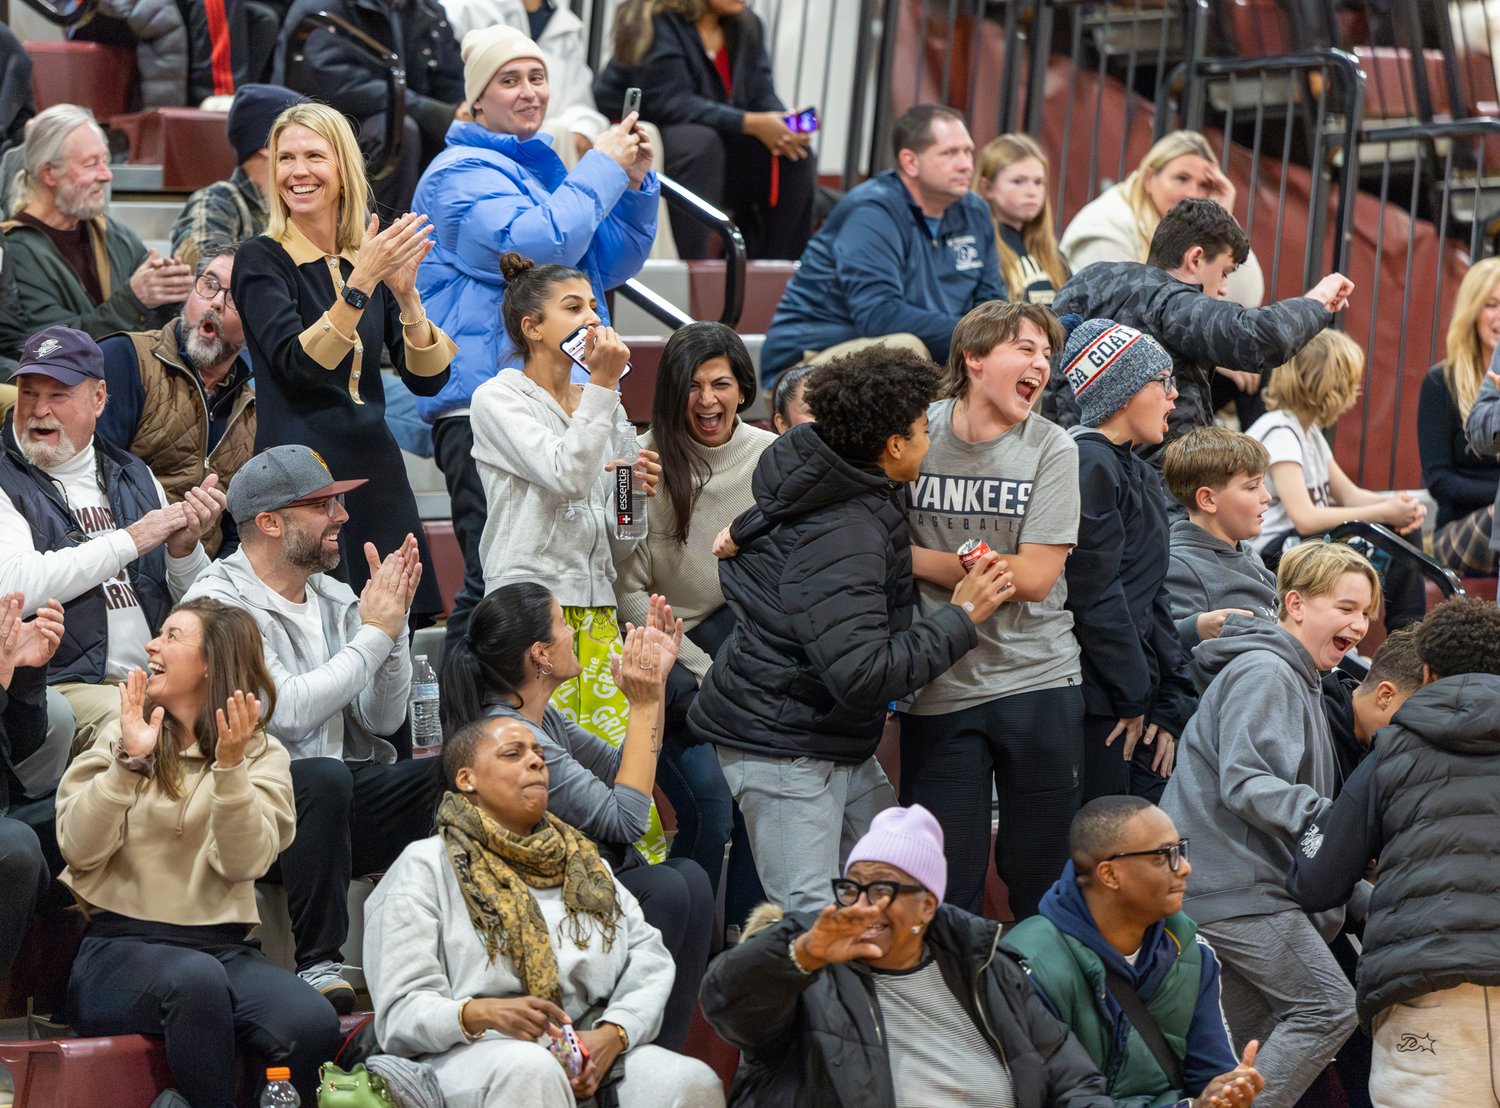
1256, 767
1205, 575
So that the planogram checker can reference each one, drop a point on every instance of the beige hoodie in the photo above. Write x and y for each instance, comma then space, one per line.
193, 860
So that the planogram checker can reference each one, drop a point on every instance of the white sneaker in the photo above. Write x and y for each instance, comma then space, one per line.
328, 979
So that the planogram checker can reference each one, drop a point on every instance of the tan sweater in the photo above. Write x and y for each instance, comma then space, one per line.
688, 575
194, 860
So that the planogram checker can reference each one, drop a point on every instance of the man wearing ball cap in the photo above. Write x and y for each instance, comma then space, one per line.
1137, 693
889, 996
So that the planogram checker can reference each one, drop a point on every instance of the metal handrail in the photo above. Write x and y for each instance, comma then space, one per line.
701, 211
1388, 542
74, 17
652, 304
382, 162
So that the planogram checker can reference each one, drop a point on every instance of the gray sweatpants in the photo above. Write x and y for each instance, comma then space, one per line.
1281, 985
803, 816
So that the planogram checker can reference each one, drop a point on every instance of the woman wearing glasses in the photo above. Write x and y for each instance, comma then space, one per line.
180, 398
890, 997
325, 289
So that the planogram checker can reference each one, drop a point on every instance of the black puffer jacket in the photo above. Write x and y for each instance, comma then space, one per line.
1198, 331
1425, 804
817, 1041
821, 590
1122, 612
417, 31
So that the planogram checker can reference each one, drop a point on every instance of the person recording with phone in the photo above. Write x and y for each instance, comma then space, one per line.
706, 82
498, 187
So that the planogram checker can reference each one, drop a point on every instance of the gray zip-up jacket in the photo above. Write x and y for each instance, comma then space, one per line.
366, 676
1256, 768
1205, 575
550, 518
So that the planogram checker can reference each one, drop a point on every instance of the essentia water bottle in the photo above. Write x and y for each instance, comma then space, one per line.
278, 1092
426, 722
630, 488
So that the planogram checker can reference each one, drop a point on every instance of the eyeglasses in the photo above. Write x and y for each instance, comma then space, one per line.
1167, 383
1173, 854
208, 287
878, 893
325, 505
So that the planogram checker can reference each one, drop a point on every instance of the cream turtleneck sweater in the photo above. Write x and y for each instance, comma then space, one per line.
688, 575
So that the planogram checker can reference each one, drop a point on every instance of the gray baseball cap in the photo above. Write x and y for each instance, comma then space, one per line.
280, 477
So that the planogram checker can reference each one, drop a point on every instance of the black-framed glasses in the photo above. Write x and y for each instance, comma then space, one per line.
879, 893
1167, 383
208, 287
1174, 854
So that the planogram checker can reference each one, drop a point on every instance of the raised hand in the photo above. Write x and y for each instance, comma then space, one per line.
621, 143
639, 672
837, 935
1236, 1089
663, 631
1332, 292
391, 256
387, 595
201, 507
28, 644
138, 735
156, 526
606, 356
161, 281
235, 729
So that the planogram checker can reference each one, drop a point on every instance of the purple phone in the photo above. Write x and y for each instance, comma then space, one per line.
805, 121
575, 346
570, 1053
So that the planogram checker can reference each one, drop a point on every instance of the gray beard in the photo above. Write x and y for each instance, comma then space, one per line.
72, 201
210, 352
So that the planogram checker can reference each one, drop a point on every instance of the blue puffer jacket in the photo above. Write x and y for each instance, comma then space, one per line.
489, 193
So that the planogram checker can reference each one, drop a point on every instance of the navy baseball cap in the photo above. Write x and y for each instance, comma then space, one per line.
63, 354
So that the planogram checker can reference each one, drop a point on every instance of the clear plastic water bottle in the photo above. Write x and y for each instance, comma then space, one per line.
278, 1092
426, 721
630, 488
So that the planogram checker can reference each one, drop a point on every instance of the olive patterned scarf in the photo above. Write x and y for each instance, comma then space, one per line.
494, 867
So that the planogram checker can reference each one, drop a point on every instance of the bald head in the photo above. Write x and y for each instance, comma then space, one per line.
460, 748
1099, 828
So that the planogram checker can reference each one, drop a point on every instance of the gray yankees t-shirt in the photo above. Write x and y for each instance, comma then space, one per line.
1019, 487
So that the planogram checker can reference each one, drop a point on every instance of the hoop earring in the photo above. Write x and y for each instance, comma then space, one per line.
540, 672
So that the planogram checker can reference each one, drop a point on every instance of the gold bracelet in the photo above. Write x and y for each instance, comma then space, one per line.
624, 1038
464, 1027
420, 319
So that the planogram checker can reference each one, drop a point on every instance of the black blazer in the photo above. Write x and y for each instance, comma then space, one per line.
679, 83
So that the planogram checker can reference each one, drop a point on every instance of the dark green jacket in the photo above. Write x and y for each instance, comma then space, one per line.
1071, 978
50, 293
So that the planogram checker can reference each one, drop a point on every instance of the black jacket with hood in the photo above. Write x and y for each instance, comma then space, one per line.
1198, 331
1424, 804
1133, 663
821, 590
817, 1040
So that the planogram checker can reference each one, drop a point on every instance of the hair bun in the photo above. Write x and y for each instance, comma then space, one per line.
512, 265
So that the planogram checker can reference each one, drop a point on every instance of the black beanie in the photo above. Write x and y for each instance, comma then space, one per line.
254, 109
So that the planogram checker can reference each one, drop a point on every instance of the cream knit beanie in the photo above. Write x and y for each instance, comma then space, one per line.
486, 50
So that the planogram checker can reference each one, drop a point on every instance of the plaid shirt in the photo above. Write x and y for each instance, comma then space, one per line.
224, 212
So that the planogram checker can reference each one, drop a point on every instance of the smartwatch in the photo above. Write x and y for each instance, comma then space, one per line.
355, 299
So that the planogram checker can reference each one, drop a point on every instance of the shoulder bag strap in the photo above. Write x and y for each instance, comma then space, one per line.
1144, 1022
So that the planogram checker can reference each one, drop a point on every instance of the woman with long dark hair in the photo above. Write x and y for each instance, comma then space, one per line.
518, 650
166, 822
708, 454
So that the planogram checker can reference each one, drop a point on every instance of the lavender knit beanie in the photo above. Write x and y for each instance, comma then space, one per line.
909, 839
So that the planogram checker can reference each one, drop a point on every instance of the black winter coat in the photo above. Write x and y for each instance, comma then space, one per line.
1425, 803
679, 83
1198, 331
1117, 590
417, 31
817, 1040
822, 595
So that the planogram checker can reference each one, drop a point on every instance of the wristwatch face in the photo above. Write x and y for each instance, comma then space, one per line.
355, 298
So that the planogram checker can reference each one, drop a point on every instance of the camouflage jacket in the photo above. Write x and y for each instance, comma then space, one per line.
1199, 332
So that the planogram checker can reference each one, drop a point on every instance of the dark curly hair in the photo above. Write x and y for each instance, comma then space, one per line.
862, 399
1461, 635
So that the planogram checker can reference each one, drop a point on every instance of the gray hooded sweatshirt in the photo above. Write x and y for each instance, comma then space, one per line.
1205, 575
1256, 767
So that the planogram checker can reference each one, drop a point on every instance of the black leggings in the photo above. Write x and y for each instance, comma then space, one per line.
207, 990
1105, 770
678, 901
453, 451
24, 878
1031, 746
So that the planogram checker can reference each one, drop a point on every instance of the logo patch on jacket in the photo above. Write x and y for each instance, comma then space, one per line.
965, 252
1409, 1042
1312, 842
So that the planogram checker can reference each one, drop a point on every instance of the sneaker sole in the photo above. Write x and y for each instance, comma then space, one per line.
341, 996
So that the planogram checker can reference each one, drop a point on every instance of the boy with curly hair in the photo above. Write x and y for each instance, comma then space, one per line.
818, 574
1424, 805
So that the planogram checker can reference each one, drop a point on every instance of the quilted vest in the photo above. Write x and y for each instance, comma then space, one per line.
172, 436
1072, 977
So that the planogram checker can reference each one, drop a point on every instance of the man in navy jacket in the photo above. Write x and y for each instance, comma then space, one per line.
901, 259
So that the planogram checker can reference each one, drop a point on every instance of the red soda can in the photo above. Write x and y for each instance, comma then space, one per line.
970, 553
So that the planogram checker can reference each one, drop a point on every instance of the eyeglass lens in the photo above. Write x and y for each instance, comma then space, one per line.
878, 892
